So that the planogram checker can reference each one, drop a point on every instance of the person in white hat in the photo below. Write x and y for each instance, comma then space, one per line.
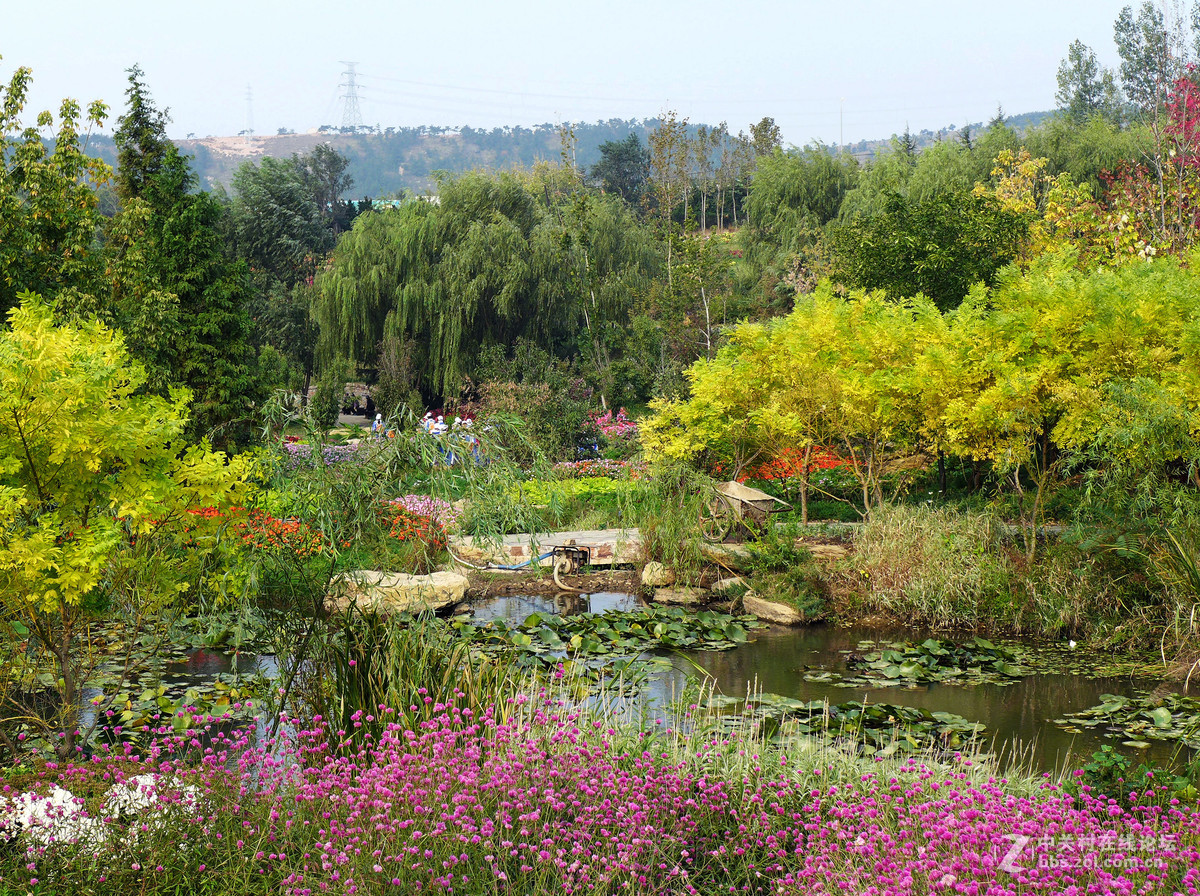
377, 424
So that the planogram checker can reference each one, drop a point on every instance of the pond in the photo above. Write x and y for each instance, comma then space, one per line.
1019, 716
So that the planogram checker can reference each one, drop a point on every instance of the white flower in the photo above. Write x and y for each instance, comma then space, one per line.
43, 820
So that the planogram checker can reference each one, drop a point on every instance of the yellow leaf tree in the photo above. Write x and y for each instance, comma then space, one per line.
95, 492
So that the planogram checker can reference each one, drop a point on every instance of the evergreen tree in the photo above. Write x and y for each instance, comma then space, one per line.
175, 234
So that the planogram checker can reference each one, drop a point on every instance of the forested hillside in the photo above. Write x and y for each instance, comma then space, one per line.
401, 161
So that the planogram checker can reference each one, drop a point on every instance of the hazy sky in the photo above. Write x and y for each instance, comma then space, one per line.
865, 68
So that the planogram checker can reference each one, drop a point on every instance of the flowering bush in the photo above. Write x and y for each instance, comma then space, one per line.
614, 469
789, 464
615, 426
407, 527
263, 532
441, 512
555, 801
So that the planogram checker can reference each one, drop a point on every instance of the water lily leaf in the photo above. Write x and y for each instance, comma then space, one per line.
1161, 717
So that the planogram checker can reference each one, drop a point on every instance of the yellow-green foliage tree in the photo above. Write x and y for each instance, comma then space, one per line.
95, 492
1053, 365
836, 371
1056, 364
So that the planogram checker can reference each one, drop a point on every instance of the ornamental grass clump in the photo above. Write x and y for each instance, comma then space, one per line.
937, 567
555, 800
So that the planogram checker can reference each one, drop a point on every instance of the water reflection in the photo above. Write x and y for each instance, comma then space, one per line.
1019, 717
515, 608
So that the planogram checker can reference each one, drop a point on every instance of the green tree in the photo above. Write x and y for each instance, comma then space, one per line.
938, 248
49, 212
168, 238
279, 224
624, 168
96, 483
1085, 88
498, 258
1154, 53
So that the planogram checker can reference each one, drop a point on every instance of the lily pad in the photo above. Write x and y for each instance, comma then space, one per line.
1172, 718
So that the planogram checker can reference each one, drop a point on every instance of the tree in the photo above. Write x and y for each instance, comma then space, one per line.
167, 238
836, 371
323, 172
765, 137
1084, 88
670, 180
938, 248
793, 196
143, 151
279, 225
498, 258
49, 212
624, 168
1151, 54
96, 485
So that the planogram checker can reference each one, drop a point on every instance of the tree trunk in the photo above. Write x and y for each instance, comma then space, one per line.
805, 471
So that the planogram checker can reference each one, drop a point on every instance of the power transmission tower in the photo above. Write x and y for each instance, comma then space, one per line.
351, 114
248, 131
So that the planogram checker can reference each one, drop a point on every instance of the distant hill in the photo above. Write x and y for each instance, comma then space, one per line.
865, 150
402, 160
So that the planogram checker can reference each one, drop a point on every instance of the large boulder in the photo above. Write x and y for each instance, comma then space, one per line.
730, 556
682, 596
387, 592
655, 575
771, 611
827, 552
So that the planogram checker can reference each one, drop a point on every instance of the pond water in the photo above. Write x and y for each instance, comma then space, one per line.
1019, 716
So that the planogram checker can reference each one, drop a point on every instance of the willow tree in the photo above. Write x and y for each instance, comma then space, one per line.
492, 261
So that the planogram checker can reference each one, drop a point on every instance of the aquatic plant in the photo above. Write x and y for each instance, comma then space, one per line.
546, 638
899, 664
1171, 717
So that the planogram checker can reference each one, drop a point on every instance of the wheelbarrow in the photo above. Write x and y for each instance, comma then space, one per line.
731, 504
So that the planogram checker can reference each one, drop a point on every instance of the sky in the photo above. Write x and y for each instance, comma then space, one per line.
833, 72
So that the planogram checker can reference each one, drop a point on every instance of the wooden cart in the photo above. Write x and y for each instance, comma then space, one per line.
732, 504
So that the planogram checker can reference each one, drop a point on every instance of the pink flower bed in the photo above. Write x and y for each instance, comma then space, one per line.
441, 512
562, 803
615, 426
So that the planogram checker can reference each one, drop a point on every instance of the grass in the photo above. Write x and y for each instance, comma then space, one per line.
936, 567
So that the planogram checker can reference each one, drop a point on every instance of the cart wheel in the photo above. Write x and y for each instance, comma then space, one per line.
716, 520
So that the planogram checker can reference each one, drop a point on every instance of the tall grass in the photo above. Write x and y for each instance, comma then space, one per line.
665, 507
410, 664
937, 567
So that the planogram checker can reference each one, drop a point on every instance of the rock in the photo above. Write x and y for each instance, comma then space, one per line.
828, 552
384, 592
731, 583
683, 596
770, 611
655, 575
731, 556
